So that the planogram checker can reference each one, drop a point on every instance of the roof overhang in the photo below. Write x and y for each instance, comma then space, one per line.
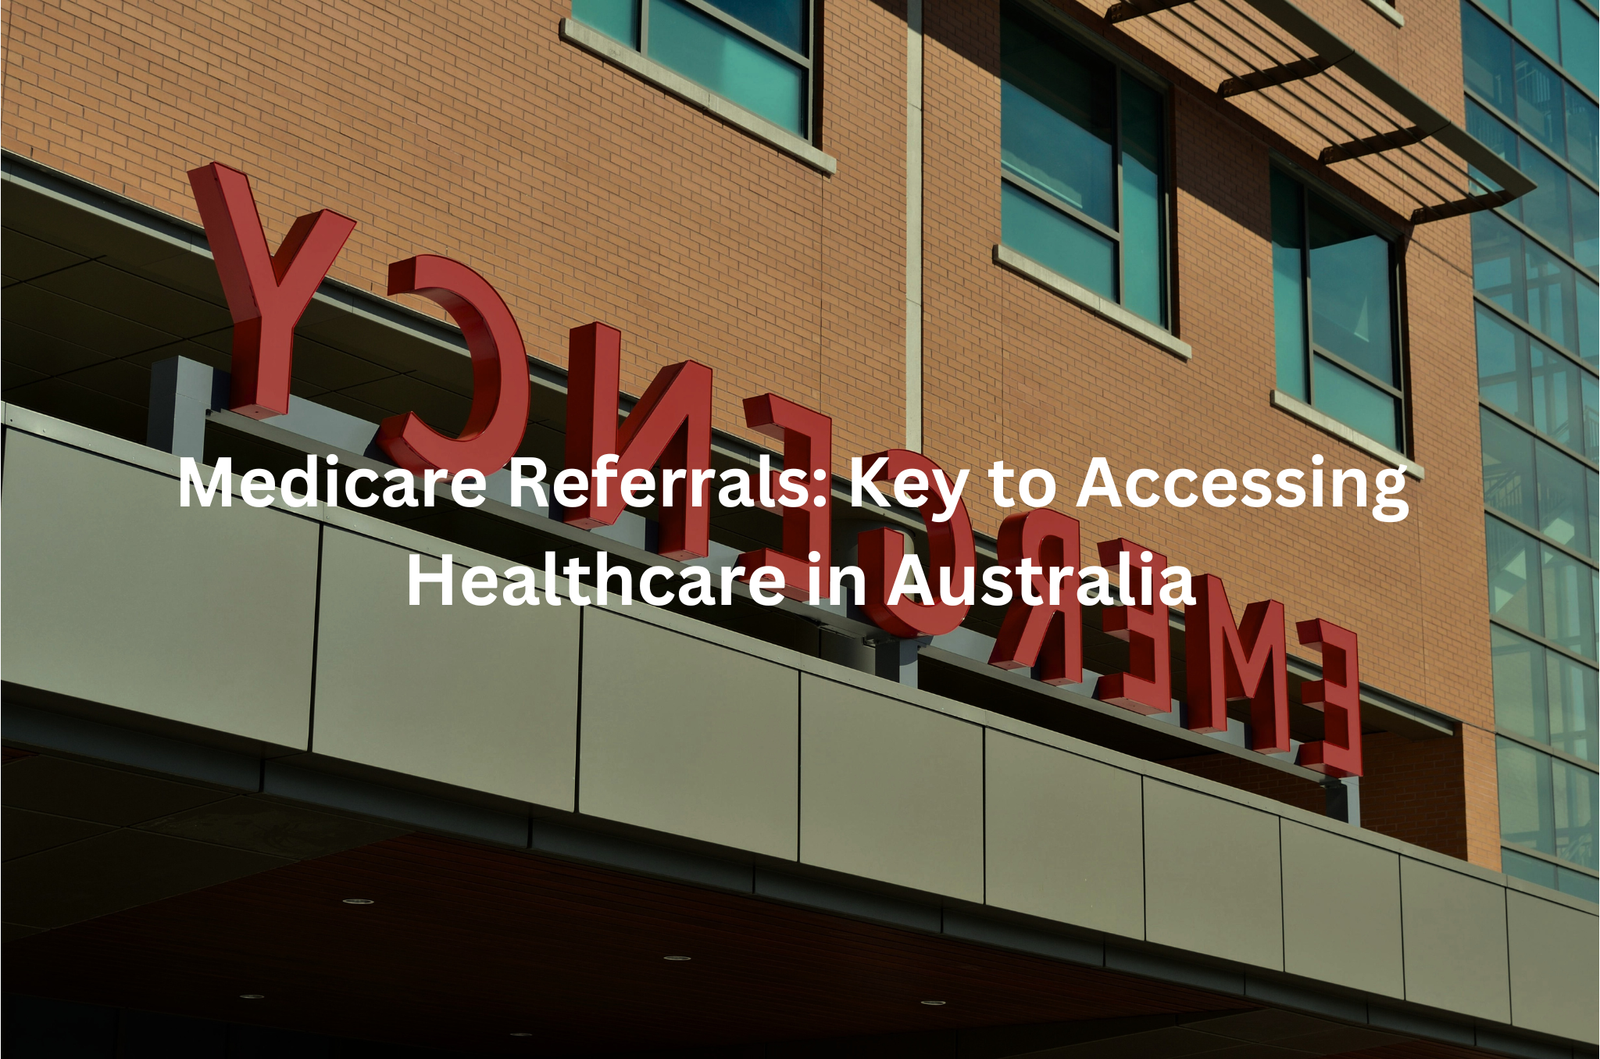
1273, 60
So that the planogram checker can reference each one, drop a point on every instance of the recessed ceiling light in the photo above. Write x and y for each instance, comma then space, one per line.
359, 901
933, 1003
677, 959
519, 1034
252, 996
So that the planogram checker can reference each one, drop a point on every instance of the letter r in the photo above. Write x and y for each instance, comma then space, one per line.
267, 293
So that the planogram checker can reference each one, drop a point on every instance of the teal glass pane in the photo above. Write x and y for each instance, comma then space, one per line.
1057, 242
1580, 45
1503, 378
1288, 285
1058, 104
1582, 117
1519, 691
618, 19
1539, 105
729, 63
1550, 294
1527, 800
1514, 584
1143, 280
782, 20
1528, 869
1355, 402
1536, 21
1558, 397
1590, 414
1545, 209
1564, 499
1508, 470
1576, 884
1574, 790
1568, 586
1497, 263
1486, 59
1501, 8
1586, 301
1498, 137
1350, 290
1585, 223
1574, 712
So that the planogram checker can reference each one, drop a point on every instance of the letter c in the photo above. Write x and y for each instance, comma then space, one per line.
1188, 499
1144, 474
499, 413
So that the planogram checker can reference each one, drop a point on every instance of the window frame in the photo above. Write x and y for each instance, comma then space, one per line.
1052, 19
711, 11
1398, 316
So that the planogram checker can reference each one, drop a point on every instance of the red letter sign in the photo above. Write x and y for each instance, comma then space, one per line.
266, 293
499, 374
1047, 539
950, 548
671, 425
1337, 695
1147, 685
807, 438
1228, 663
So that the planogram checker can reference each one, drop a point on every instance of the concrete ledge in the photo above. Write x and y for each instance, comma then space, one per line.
1107, 310
618, 54
1329, 425
1387, 12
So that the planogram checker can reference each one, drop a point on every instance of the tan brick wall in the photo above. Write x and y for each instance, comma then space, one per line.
471, 130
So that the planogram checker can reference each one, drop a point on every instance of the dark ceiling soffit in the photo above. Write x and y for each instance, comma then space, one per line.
1330, 52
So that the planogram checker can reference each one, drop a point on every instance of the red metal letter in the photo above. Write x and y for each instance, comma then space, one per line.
499, 413
807, 438
670, 425
1047, 539
1147, 685
1228, 663
950, 548
1337, 695
266, 293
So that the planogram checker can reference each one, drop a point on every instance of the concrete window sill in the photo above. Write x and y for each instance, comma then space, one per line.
1329, 425
618, 54
1388, 12
1107, 310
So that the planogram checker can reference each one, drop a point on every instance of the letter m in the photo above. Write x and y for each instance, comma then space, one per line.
1228, 663
671, 425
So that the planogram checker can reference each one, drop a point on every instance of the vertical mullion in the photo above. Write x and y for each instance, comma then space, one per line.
1306, 338
644, 27
813, 31
1122, 246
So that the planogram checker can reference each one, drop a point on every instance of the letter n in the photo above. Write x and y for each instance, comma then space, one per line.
266, 293
671, 425
1228, 663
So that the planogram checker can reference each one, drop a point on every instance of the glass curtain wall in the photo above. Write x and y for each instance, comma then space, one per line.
1530, 68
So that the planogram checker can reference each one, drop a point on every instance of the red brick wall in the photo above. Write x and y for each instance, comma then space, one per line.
470, 129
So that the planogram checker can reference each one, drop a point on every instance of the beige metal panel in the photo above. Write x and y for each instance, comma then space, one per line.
1554, 977
1211, 876
688, 737
1062, 837
890, 791
1341, 910
479, 697
199, 615
1455, 939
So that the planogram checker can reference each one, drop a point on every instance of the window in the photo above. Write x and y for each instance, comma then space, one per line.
1546, 804
1538, 485
1538, 386
1562, 210
1333, 298
1082, 165
756, 53
1529, 282
1564, 30
1514, 82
